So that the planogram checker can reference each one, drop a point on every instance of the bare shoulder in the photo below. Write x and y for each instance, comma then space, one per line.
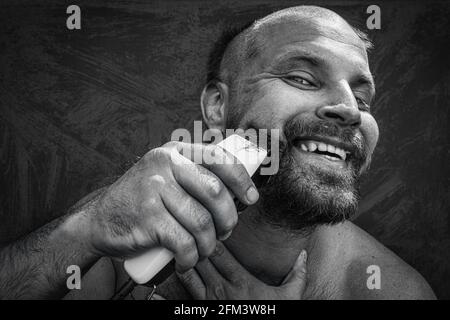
372, 271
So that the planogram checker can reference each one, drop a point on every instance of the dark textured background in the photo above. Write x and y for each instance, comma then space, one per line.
79, 107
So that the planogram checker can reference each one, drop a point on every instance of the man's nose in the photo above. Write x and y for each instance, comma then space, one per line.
343, 109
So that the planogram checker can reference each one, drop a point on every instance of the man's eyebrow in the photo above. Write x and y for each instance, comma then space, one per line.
292, 59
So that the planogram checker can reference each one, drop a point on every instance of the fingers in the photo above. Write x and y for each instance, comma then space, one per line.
296, 278
208, 273
217, 287
192, 216
198, 204
209, 190
192, 282
214, 275
225, 166
233, 174
227, 265
173, 236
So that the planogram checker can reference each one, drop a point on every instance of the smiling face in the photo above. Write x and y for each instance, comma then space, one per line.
310, 79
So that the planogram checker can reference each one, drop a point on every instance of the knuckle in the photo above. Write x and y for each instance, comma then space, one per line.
187, 253
150, 204
156, 181
187, 245
217, 153
215, 149
215, 187
218, 291
192, 259
148, 198
157, 156
170, 145
151, 188
154, 153
204, 222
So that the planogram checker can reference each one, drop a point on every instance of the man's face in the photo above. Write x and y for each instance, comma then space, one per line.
310, 80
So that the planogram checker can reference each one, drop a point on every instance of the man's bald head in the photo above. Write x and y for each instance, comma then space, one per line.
236, 47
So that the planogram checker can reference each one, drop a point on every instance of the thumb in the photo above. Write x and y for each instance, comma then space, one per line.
296, 278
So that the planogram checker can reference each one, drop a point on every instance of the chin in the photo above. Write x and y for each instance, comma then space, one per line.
302, 196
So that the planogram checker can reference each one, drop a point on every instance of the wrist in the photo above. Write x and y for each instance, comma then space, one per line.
79, 226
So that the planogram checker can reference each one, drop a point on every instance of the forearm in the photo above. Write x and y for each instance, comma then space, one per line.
35, 266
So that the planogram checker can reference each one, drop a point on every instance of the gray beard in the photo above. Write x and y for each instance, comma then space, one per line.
298, 199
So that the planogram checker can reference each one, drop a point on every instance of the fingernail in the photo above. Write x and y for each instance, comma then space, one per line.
303, 255
225, 236
252, 195
218, 250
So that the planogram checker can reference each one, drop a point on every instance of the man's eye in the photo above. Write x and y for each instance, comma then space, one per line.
362, 105
300, 81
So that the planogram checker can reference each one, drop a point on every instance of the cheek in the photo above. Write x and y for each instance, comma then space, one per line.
369, 129
273, 103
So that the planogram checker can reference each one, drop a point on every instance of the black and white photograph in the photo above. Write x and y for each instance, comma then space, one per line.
257, 151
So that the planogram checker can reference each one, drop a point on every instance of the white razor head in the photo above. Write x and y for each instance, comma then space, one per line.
248, 153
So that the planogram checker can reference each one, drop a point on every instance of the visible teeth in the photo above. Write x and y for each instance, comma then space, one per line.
331, 158
341, 153
322, 146
311, 146
331, 149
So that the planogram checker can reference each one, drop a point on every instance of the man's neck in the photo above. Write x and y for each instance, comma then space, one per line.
265, 251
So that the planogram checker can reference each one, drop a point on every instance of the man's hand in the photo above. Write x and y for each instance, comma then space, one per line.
221, 277
167, 200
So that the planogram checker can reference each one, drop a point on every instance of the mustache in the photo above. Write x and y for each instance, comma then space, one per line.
296, 128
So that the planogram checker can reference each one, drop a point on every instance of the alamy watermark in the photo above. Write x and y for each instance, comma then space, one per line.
73, 281
268, 140
374, 280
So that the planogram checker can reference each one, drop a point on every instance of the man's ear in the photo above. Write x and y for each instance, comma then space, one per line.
214, 103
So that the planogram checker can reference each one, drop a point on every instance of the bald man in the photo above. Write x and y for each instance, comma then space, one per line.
302, 70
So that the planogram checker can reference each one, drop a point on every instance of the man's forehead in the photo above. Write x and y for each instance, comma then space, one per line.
325, 39
256, 48
324, 44
294, 29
